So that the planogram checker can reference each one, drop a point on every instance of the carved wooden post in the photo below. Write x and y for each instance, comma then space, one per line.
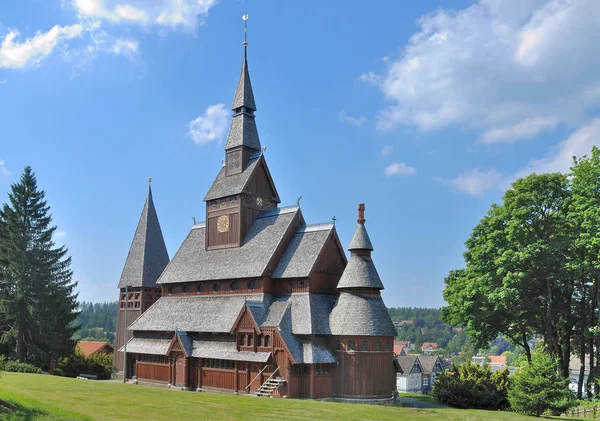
236, 386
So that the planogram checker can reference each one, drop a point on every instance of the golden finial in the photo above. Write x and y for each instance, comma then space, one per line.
149, 179
245, 19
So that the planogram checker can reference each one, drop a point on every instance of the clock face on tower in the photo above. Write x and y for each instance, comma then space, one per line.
223, 223
259, 202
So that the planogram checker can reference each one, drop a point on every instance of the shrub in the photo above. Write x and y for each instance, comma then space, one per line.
538, 388
99, 365
3, 362
473, 386
19, 367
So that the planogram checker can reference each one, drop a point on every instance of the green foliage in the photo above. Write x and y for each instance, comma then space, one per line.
537, 388
3, 361
426, 325
37, 297
97, 364
473, 386
19, 367
97, 321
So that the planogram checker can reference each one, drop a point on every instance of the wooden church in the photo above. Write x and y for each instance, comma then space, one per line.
255, 300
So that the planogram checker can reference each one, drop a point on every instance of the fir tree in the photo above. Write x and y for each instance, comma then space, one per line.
37, 299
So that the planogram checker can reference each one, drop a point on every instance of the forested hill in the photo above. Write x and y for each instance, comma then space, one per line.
420, 325
98, 321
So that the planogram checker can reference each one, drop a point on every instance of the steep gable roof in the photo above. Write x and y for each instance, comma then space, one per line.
229, 185
244, 97
303, 251
193, 262
428, 363
408, 362
148, 255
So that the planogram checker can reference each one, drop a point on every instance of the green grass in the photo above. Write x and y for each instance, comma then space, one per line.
48, 398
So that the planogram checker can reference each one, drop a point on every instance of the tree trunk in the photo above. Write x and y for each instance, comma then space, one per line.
582, 343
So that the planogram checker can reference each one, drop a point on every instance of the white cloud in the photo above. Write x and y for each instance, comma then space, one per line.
525, 129
33, 50
356, 121
558, 159
476, 182
3, 170
210, 126
386, 150
511, 69
171, 13
399, 169
125, 47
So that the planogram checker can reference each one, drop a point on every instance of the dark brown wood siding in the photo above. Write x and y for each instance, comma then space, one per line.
153, 372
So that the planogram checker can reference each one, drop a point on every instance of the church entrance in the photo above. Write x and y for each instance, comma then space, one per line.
180, 370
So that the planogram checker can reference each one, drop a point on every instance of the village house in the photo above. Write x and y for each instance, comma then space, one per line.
410, 377
402, 347
255, 300
88, 348
431, 366
429, 348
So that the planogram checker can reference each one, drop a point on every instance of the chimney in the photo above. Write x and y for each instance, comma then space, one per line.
361, 213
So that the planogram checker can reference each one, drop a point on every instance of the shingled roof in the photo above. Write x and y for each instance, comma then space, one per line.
244, 97
360, 315
226, 350
229, 185
360, 239
360, 273
148, 255
193, 262
303, 251
243, 132
408, 362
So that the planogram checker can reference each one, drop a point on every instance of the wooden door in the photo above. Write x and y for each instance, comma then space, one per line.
180, 371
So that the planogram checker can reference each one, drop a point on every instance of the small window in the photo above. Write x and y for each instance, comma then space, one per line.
234, 285
184, 288
200, 287
216, 286
377, 346
364, 345
242, 339
259, 341
251, 284
250, 340
171, 289
338, 345
351, 345
267, 340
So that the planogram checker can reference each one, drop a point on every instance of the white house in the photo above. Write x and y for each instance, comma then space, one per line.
432, 367
411, 379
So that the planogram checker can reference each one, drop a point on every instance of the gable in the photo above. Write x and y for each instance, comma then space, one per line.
246, 321
332, 259
260, 182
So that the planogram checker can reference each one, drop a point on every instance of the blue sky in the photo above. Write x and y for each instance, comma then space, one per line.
426, 111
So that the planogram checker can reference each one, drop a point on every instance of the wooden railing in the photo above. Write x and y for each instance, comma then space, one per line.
585, 412
261, 371
272, 374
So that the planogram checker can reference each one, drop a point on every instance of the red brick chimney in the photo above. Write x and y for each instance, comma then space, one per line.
361, 213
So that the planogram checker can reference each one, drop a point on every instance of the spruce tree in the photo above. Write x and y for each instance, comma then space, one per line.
37, 298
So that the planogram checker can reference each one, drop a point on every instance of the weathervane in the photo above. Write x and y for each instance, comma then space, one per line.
245, 19
149, 180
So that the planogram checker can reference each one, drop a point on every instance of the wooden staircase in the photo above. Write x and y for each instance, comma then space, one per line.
270, 386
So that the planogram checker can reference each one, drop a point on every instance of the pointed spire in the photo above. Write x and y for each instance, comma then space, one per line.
360, 271
148, 255
244, 97
361, 240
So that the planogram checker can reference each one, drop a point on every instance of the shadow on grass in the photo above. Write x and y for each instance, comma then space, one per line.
14, 412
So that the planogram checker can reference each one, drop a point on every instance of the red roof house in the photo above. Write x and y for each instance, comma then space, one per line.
88, 348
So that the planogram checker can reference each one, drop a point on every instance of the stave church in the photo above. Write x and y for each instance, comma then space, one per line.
255, 300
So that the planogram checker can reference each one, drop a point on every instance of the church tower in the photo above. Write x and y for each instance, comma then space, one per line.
145, 262
363, 330
244, 187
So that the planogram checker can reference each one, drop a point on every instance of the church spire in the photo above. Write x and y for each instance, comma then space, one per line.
243, 130
148, 255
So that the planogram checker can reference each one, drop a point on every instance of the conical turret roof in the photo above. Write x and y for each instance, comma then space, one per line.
148, 254
360, 240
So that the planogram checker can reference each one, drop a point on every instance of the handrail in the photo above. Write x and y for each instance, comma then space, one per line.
272, 374
264, 368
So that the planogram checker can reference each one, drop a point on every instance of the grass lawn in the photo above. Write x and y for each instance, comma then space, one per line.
49, 398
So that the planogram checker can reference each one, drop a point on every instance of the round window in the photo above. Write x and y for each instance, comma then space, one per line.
234, 285
216, 286
251, 284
